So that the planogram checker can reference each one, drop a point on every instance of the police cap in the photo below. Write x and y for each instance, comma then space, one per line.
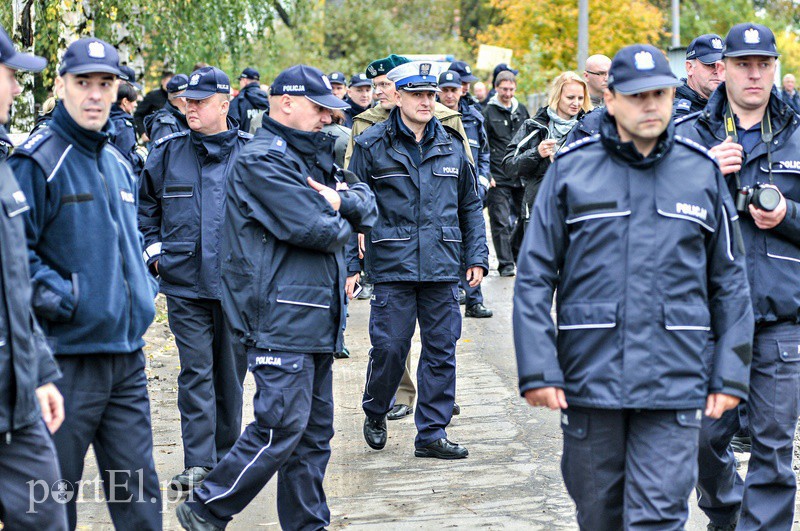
463, 69
207, 81
178, 83
250, 73
449, 79
639, 68
126, 73
10, 57
89, 55
706, 48
338, 78
416, 76
750, 39
304, 80
360, 80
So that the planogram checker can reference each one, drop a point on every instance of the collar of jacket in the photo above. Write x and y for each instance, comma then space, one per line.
214, 148
713, 116
355, 109
688, 93
90, 141
627, 150
117, 112
254, 94
317, 147
402, 129
176, 112
494, 100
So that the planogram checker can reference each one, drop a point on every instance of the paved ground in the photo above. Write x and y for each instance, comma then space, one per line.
510, 481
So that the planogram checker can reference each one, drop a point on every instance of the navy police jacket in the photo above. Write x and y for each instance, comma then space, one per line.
182, 207
26, 361
429, 210
283, 244
773, 256
164, 122
249, 103
473, 120
91, 289
124, 137
646, 259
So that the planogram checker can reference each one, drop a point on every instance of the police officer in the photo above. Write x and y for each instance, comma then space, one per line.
338, 84
123, 133
288, 220
702, 74
171, 118
451, 96
30, 404
756, 138
627, 365
91, 290
429, 221
251, 100
181, 210
153, 101
463, 69
359, 97
385, 93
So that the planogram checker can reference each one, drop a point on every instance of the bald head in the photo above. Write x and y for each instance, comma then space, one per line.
596, 74
788, 83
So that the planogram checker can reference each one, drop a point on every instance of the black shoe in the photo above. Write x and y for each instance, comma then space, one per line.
366, 292
191, 520
343, 355
399, 411
190, 478
479, 311
456, 409
508, 271
375, 433
462, 297
442, 449
741, 444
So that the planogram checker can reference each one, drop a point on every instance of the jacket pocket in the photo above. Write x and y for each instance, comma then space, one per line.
687, 317
778, 249
688, 327
587, 316
451, 234
787, 378
301, 318
390, 234
177, 264
173, 191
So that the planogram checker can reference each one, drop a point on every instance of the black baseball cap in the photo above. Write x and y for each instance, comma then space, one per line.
750, 39
706, 48
250, 73
463, 69
639, 68
304, 80
338, 78
178, 83
126, 73
90, 55
503, 67
207, 81
360, 80
15, 60
449, 78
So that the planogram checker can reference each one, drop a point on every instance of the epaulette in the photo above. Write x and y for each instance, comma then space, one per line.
166, 119
170, 136
35, 141
47, 149
278, 145
686, 117
694, 145
371, 135
569, 148
245, 135
128, 122
683, 105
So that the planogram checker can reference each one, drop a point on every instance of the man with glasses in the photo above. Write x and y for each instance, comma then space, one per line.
596, 75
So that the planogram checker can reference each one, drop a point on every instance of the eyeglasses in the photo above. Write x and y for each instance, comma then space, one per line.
383, 85
599, 74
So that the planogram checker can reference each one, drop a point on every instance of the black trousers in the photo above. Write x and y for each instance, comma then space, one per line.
504, 204
213, 367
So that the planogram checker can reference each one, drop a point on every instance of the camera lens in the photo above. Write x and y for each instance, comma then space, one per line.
766, 199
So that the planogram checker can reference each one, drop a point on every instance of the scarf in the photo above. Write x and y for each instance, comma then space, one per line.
558, 126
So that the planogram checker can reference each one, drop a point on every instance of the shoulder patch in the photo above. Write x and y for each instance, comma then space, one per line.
686, 117
170, 137
683, 105
246, 136
166, 119
694, 145
577, 145
278, 144
127, 122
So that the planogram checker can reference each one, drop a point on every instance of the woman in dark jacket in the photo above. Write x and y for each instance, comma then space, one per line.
532, 149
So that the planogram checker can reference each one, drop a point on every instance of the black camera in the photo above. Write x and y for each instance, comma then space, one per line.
760, 196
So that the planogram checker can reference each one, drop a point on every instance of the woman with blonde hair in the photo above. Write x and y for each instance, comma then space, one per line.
532, 149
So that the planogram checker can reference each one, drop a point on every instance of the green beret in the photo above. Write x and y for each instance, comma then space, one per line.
380, 67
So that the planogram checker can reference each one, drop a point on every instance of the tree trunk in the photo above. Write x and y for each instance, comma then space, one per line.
76, 21
24, 110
